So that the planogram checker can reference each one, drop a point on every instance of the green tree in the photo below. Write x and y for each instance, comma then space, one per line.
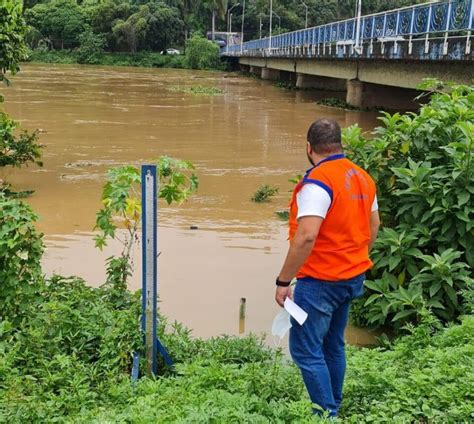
103, 16
132, 32
202, 53
12, 31
62, 21
91, 46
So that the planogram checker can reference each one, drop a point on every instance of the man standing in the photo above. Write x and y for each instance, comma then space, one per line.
333, 223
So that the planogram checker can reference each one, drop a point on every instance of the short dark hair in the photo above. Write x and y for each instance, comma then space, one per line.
324, 136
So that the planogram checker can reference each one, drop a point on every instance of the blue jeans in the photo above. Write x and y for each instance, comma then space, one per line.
317, 346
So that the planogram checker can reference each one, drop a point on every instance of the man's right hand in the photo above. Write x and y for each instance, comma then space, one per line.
281, 294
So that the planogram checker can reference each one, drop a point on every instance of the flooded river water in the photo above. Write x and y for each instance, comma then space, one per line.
95, 118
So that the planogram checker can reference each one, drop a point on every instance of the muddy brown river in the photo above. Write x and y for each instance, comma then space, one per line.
94, 118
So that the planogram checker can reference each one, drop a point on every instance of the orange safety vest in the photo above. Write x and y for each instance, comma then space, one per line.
341, 250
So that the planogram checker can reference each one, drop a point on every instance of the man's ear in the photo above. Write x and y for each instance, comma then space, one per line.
309, 150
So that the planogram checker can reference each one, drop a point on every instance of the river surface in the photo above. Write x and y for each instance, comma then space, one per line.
94, 118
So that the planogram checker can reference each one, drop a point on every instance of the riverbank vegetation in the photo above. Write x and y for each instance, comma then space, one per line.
423, 164
131, 26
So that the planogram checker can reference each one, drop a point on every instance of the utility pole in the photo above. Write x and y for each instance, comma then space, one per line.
229, 17
242, 31
279, 19
213, 25
270, 36
306, 17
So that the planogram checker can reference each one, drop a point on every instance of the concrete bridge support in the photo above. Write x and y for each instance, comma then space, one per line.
256, 70
366, 95
270, 74
320, 83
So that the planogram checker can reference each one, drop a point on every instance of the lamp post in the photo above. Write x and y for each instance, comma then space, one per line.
306, 16
270, 33
242, 31
279, 19
229, 17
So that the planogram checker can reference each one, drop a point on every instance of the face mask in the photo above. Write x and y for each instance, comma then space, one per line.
310, 160
281, 324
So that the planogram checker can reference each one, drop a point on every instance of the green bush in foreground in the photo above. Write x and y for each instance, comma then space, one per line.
69, 361
423, 164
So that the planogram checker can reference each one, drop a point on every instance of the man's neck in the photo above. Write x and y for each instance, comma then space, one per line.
319, 158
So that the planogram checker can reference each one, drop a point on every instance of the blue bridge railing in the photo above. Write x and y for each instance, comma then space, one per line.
440, 20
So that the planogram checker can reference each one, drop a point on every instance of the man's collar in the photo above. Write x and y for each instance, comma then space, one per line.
327, 159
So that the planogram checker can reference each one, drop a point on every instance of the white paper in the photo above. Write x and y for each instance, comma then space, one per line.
295, 311
281, 324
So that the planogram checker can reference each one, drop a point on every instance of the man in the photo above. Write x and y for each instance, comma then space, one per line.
333, 223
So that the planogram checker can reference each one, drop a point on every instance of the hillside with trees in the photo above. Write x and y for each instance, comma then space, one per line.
139, 25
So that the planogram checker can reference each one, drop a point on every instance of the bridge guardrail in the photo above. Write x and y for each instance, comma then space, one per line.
436, 20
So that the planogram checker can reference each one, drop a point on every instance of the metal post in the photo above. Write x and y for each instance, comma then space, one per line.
448, 18
468, 39
229, 17
428, 21
260, 27
412, 23
149, 272
242, 31
306, 17
395, 44
358, 34
270, 35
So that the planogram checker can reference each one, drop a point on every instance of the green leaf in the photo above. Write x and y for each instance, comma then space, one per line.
403, 314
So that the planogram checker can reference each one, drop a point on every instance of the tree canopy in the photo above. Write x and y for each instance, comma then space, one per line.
153, 25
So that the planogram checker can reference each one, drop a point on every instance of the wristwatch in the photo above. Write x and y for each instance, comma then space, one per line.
280, 283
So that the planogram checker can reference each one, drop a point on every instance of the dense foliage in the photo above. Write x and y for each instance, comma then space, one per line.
21, 249
136, 25
201, 54
12, 30
69, 358
423, 164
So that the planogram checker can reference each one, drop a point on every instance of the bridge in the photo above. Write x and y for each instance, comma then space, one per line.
379, 59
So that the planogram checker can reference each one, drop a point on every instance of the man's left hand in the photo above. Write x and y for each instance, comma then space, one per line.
281, 294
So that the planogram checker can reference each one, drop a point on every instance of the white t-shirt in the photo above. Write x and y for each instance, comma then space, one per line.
313, 200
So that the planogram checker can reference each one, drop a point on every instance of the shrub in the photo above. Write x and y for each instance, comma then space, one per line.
21, 249
264, 193
202, 53
423, 164
91, 47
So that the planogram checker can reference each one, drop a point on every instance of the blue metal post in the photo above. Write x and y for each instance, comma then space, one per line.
149, 271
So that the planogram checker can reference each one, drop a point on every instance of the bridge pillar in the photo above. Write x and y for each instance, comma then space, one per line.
270, 74
320, 83
244, 68
367, 95
255, 70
